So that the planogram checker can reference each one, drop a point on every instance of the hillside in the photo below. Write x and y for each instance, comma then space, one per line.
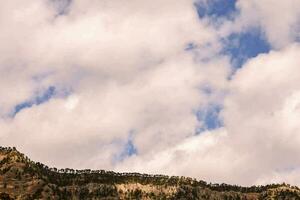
21, 178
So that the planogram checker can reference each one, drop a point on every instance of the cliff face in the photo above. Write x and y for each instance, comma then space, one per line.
21, 178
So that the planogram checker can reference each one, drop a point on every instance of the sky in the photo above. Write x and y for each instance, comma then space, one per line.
208, 89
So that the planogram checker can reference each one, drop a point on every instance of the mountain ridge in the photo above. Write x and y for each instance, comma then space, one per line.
21, 178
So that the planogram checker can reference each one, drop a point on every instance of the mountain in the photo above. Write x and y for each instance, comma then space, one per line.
21, 178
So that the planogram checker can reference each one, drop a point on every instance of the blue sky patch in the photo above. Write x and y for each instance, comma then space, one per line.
206, 89
190, 46
215, 8
44, 97
210, 118
128, 150
242, 46
62, 6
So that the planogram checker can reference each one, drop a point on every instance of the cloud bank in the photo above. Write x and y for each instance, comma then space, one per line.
148, 87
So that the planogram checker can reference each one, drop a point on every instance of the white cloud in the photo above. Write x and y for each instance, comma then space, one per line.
261, 112
125, 67
278, 20
121, 68
260, 141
